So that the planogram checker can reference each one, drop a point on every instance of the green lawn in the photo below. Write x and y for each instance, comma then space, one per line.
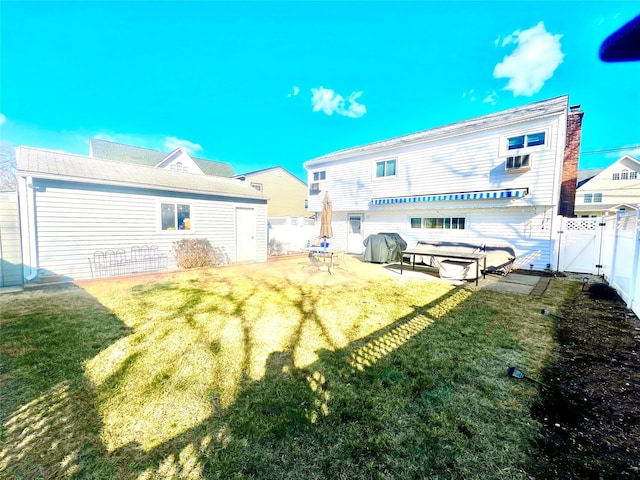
212, 374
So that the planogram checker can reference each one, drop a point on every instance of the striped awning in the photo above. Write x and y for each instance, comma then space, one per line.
444, 197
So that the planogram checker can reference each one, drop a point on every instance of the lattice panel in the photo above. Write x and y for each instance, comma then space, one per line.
581, 224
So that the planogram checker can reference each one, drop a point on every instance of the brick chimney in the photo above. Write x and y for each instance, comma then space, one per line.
570, 162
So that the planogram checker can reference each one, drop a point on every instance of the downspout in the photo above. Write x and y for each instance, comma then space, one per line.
26, 206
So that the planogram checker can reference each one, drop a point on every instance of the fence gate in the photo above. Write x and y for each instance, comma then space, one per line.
580, 245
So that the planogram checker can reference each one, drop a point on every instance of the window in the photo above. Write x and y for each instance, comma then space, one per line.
319, 175
616, 176
175, 216
314, 188
386, 168
257, 186
588, 197
530, 140
534, 139
179, 167
518, 162
633, 175
446, 223
597, 198
516, 142
625, 175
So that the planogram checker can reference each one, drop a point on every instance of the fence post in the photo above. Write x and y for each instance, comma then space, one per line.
612, 273
636, 254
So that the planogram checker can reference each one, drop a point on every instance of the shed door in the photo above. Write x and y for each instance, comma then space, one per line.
245, 234
354, 233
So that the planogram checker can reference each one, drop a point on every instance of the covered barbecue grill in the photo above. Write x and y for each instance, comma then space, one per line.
384, 248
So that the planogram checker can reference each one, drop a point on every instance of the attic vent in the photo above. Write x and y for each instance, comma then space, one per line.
518, 162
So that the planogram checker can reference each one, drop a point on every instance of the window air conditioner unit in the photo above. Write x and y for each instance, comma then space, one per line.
518, 162
314, 187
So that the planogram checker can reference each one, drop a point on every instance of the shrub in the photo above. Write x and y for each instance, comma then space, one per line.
275, 247
195, 252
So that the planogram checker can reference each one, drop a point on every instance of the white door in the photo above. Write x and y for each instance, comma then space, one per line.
245, 234
580, 245
354, 233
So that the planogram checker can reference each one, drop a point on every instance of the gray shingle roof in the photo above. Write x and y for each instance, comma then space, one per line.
107, 150
65, 166
532, 110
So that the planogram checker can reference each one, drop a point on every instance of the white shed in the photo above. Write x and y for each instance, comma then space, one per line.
72, 206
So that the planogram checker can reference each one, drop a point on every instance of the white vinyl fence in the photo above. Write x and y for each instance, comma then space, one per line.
290, 234
608, 246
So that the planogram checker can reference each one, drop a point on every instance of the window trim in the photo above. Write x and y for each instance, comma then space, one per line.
258, 186
597, 197
587, 198
385, 161
175, 203
505, 151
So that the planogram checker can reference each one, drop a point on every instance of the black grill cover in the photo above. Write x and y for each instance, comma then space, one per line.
384, 248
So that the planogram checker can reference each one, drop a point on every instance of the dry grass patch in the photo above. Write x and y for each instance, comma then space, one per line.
213, 375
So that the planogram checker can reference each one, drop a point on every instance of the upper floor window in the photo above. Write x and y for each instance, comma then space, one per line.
625, 175
179, 167
633, 175
386, 168
317, 176
257, 186
528, 140
597, 198
616, 176
588, 197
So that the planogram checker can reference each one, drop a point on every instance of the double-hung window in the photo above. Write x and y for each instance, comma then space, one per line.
386, 168
597, 198
175, 216
588, 198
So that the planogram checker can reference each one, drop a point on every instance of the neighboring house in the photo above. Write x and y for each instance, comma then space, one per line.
616, 188
585, 175
72, 206
501, 176
10, 256
287, 193
178, 160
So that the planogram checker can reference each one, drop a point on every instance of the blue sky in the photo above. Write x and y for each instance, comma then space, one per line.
262, 84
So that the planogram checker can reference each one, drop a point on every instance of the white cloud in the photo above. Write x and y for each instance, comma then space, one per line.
154, 142
173, 142
296, 91
330, 102
470, 94
532, 63
3, 118
492, 97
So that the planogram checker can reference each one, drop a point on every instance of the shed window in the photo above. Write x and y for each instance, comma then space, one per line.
386, 168
175, 216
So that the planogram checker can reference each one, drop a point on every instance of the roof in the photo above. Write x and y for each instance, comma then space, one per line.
585, 175
531, 111
107, 150
265, 170
64, 166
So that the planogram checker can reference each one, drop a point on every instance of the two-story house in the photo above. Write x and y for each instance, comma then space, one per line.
506, 176
616, 188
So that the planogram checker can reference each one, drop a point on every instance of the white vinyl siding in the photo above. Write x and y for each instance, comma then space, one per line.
465, 163
528, 229
10, 251
73, 223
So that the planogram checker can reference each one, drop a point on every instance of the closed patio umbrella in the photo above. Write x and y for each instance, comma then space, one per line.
325, 226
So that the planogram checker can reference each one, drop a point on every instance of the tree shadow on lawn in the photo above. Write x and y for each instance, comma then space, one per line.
45, 394
316, 422
295, 422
